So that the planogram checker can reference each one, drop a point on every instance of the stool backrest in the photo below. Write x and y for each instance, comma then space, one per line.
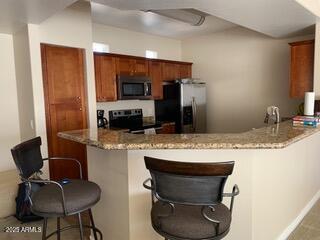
27, 157
188, 183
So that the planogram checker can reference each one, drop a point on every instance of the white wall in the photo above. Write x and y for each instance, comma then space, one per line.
245, 72
127, 42
71, 27
24, 84
21, 85
316, 77
9, 121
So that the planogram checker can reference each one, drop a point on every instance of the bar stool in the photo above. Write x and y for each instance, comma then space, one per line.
187, 199
55, 199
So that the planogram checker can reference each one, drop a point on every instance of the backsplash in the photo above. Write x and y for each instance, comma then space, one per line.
146, 105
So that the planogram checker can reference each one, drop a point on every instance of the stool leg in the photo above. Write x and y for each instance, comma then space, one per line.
58, 228
80, 226
93, 225
44, 229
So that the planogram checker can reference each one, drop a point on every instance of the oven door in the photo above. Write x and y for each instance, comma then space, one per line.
134, 88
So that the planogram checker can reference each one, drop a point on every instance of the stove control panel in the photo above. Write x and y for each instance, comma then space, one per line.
125, 113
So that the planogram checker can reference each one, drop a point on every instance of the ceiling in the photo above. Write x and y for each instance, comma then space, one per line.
276, 18
152, 23
14, 14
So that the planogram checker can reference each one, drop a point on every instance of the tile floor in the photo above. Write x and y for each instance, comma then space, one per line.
309, 228
11, 221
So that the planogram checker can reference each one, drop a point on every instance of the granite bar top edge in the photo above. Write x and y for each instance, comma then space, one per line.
270, 137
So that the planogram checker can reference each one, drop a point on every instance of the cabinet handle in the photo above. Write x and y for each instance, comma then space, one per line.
80, 109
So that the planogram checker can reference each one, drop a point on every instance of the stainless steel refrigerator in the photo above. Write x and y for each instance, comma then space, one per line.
185, 104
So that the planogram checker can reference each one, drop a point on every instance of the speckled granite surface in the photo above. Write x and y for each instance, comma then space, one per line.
275, 136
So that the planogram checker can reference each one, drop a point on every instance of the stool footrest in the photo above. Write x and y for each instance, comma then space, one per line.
75, 226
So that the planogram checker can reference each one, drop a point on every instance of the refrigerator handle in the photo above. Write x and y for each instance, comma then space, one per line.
146, 89
194, 113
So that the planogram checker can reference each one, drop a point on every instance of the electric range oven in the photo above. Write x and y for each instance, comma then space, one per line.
131, 119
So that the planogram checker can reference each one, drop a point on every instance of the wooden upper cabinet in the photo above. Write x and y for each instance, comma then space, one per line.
185, 71
109, 65
141, 67
155, 73
105, 76
132, 67
171, 71
301, 71
125, 66
166, 71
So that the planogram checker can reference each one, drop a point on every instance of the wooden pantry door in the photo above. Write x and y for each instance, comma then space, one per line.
66, 107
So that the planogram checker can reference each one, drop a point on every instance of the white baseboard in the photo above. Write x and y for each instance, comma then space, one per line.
286, 233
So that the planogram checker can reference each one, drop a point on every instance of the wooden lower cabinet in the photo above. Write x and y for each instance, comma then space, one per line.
301, 69
66, 107
105, 77
168, 128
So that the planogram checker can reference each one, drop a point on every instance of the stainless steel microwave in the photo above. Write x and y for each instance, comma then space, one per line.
134, 87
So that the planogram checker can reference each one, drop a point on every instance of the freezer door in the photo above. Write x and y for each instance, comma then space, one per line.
193, 105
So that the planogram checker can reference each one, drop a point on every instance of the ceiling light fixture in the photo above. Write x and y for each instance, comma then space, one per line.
191, 16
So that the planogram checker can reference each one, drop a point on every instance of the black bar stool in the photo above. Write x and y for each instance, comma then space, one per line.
187, 199
55, 199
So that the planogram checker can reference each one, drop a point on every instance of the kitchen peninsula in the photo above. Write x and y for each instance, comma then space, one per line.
274, 165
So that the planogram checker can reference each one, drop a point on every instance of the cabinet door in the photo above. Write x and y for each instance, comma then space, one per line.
65, 105
155, 69
97, 77
108, 78
301, 72
125, 66
185, 71
141, 67
171, 71
105, 75
168, 128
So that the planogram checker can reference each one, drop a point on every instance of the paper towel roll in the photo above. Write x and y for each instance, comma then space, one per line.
309, 103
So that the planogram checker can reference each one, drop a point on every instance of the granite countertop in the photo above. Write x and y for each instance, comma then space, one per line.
270, 137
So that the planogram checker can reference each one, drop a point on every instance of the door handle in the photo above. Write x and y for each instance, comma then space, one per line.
194, 113
146, 89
